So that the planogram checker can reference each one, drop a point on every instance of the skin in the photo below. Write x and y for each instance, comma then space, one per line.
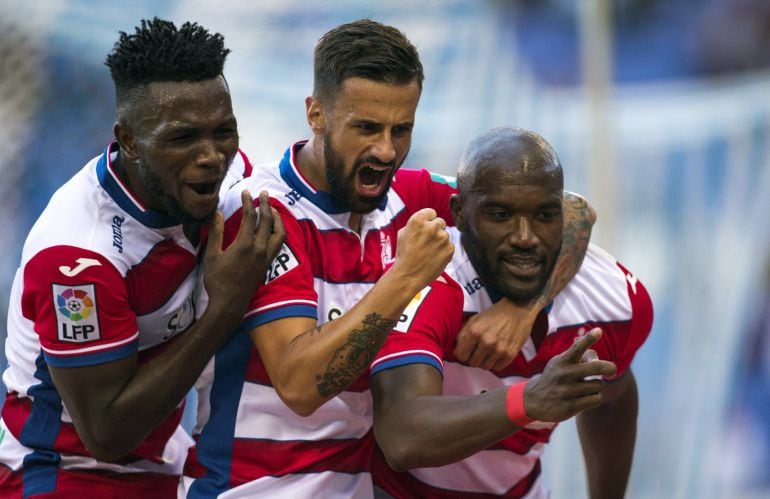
493, 338
177, 140
367, 123
511, 225
418, 427
607, 437
371, 123
181, 134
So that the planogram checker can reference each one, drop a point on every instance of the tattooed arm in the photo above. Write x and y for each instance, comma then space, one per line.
493, 338
308, 365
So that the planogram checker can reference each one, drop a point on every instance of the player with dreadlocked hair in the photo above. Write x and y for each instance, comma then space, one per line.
111, 321
158, 51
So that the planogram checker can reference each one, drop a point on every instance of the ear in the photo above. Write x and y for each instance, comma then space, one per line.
315, 115
126, 140
456, 205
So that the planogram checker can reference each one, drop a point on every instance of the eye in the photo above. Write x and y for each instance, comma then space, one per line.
402, 130
548, 215
225, 133
181, 138
498, 215
368, 127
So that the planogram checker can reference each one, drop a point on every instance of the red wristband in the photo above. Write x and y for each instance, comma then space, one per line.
514, 405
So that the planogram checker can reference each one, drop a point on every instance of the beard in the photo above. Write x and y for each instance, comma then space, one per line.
342, 186
494, 278
153, 184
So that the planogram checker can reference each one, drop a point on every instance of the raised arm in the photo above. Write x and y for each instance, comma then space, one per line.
492, 338
308, 365
607, 436
115, 405
416, 426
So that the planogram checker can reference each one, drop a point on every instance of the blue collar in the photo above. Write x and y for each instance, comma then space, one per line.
124, 198
294, 178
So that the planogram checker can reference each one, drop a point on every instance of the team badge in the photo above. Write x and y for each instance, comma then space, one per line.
76, 315
405, 322
386, 249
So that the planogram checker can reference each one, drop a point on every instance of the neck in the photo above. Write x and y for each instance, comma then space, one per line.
354, 222
127, 173
310, 162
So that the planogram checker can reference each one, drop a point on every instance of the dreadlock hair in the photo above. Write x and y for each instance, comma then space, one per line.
365, 49
158, 51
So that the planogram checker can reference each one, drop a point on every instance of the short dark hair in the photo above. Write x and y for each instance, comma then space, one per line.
158, 51
365, 49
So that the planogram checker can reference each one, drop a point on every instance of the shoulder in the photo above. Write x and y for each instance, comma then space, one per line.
263, 178
79, 209
603, 291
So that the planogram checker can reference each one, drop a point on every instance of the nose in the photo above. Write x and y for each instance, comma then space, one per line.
522, 236
210, 155
383, 149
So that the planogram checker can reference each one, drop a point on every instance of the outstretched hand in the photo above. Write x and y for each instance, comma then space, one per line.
571, 382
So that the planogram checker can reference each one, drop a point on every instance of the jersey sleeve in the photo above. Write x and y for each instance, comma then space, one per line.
424, 189
623, 347
426, 329
80, 307
288, 289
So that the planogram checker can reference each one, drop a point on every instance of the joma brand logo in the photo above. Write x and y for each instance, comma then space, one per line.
473, 286
117, 233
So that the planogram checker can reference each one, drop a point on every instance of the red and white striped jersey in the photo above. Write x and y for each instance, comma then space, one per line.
102, 277
603, 294
249, 443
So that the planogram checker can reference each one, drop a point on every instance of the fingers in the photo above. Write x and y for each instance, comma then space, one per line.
595, 369
463, 349
216, 231
576, 351
265, 221
426, 214
279, 231
249, 215
502, 362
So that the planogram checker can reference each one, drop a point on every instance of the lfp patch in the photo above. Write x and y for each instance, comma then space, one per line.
76, 315
405, 322
283, 262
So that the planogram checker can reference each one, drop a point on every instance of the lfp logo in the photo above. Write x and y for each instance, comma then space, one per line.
75, 304
77, 315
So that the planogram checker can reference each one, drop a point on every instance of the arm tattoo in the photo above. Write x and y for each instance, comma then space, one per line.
579, 217
351, 359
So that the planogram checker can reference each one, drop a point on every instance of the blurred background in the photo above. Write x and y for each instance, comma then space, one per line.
659, 109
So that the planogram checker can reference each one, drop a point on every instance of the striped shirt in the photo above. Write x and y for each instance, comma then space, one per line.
602, 294
248, 441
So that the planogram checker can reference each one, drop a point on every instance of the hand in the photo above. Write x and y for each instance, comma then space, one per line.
564, 389
249, 255
492, 338
424, 249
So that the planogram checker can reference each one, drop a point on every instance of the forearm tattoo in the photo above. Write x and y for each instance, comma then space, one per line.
351, 359
579, 218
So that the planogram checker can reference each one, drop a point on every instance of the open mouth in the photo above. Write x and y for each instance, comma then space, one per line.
203, 188
526, 267
372, 179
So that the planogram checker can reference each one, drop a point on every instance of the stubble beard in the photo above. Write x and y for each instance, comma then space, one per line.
152, 183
